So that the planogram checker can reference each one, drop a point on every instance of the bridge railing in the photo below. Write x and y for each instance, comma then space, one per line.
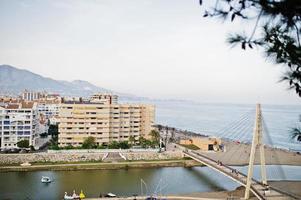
212, 160
254, 190
230, 168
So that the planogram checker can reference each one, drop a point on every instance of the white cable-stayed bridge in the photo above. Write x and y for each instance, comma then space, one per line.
248, 131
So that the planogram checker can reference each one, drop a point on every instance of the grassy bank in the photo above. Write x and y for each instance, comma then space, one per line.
100, 165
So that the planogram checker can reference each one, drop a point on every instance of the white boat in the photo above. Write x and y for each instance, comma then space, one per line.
26, 164
45, 179
110, 195
66, 197
75, 196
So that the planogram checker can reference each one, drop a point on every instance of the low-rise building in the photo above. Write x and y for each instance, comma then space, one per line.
203, 143
106, 122
18, 121
104, 98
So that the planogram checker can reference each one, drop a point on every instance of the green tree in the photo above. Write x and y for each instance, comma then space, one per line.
132, 140
144, 143
89, 143
68, 147
155, 135
23, 144
113, 145
296, 133
141, 140
124, 145
53, 131
32, 148
277, 29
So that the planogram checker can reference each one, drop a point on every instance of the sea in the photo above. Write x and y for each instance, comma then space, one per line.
214, 119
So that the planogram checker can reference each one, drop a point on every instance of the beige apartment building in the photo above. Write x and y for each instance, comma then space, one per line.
106, 121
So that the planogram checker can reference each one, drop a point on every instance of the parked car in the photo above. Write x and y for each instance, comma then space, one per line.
24, 151
14, 150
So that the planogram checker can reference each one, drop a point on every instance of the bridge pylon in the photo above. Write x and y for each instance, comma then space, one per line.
257, 141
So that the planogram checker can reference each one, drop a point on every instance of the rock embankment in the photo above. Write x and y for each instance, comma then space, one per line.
10, 159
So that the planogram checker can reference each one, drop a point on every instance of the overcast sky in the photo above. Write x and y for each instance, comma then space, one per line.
152, 48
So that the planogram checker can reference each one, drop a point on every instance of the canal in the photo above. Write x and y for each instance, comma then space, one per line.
168, 180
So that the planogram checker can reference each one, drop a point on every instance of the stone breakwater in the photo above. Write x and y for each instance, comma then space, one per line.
9, 159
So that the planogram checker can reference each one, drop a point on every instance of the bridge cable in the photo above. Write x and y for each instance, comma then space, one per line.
224, 130
232, 132
274, 151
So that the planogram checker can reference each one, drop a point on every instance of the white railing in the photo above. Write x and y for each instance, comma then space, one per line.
105, 156
122, 156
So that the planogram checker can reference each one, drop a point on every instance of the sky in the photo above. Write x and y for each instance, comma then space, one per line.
153, 48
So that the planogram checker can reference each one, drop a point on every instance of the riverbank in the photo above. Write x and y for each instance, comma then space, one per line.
100, 165
236, 154
72, 156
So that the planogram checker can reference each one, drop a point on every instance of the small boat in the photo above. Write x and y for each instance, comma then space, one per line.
75, 196
110, 195
45, 179
151, 198
82, 195
66, 197
26, 164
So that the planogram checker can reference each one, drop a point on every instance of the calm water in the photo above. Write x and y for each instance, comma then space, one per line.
211, 118
173, 180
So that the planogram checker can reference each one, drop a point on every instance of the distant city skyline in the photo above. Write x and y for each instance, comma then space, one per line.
155, 49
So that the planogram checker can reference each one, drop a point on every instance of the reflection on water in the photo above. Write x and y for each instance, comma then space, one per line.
173, 180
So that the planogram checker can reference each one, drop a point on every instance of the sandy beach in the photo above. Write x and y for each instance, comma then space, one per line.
238, 154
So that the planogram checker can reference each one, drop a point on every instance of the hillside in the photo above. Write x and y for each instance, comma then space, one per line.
14, 81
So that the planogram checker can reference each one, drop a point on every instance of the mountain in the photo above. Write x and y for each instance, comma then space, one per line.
14, 81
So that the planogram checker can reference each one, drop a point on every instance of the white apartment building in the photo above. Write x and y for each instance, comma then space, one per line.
31, 95
48, 110
18, 121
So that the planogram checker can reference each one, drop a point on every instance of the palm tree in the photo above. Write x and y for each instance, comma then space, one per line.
296, 133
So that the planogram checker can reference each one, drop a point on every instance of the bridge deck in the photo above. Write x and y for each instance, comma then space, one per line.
258, 189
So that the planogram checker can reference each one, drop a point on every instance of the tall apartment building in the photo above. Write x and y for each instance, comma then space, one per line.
18, 121
31, 95
105, 121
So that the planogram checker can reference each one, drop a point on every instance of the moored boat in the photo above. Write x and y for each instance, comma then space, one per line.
67, 197
110, 195
45, 179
